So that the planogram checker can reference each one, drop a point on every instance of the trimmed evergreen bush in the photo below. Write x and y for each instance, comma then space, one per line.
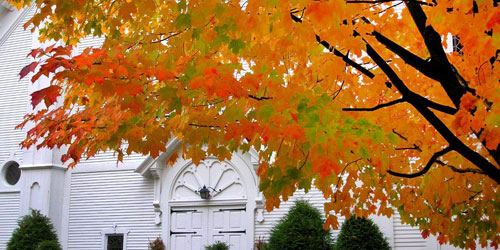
32, 230
49, 245
218, 246
301, 228
361, 233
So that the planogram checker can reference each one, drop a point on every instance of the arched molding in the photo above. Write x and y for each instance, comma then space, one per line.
241, 164
35, 201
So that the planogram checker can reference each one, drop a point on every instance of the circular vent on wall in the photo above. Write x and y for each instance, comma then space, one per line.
11, 172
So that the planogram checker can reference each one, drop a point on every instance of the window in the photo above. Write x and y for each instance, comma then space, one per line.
11, 172
114, 238
114, 242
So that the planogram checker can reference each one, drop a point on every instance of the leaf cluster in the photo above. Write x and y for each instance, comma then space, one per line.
332, 94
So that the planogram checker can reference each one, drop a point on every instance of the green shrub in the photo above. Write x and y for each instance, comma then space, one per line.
361, 233
301, 228
32, 230
49, 245
218, 246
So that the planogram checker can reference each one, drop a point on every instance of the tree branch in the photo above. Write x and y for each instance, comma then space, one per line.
436, 106
426, 168
461, 170
491, 170
203, 126
383, 105
260, 98
345, 58
439, 61
413, 60
336, 52
385, 1
400, 135
415, 147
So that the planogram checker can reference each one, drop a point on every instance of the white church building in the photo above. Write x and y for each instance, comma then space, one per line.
102, 205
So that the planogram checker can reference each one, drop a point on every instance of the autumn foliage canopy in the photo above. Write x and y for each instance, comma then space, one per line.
365, 100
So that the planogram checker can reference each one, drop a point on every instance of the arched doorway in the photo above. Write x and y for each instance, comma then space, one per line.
226, 215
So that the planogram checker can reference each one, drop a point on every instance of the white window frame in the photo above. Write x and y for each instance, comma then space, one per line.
114, 231
3, 172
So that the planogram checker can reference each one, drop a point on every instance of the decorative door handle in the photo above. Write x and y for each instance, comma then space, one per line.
234, 232
171, 232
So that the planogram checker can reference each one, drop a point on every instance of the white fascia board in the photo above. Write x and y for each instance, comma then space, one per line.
145, 167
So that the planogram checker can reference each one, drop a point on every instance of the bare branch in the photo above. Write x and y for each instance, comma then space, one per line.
415, 147
427, 166
383, 105
340, 176
260, 98
432, 40
461, 170
336, 52
204, 126
436, 106
386, 1
400, 135
481, 162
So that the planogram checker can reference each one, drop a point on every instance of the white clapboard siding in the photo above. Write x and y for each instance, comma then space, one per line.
406, 236
9, 214
15, 98
99, 200
314, 197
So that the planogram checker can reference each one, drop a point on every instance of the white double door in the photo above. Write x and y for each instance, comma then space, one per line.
193, 229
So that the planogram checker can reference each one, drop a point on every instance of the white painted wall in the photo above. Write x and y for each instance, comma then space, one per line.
15, 43
9, 213
14, 101
99, 200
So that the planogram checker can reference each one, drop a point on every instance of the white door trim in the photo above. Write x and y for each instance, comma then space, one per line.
242, 163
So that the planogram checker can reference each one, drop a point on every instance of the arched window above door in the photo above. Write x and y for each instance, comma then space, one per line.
221, 179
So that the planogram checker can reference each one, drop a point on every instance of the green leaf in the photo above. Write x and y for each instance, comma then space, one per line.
364, 152
219, 10
236, 45
265, 112
377, 135
201, 45
392, 138
167, 92
183, 21
181, 5
196, 34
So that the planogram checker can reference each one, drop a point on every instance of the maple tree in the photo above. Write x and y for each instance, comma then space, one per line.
356, 97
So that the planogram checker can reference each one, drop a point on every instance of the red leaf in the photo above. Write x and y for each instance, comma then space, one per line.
27, 69
34, 53
210, 72
495, 19
425, 233
49, 95
163, 74
295, 131
324, 166
294, 116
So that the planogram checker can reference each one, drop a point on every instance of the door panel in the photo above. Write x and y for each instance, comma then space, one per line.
227, 224
193, 229
188, 229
